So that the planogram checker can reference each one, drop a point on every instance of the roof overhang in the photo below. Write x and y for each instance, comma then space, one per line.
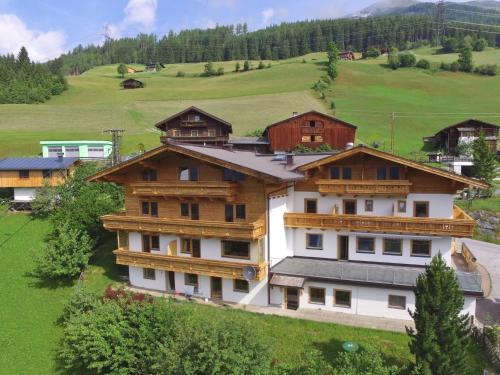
396, 159
161, 124
287, 281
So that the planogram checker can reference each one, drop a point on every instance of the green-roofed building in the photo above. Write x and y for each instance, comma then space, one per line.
79, 149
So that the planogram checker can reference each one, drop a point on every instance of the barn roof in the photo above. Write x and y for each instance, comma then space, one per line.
131, 80
14, 164
307, 113
469, 122
161, 124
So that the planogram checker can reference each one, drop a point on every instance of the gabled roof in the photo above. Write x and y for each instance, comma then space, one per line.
260, 166
161, 124
15, 164
307, 113
396, 159
468, 122
131, 80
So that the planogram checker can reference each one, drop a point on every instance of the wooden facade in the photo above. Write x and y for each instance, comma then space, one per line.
13, 179
194, 125
310, 129
347, 55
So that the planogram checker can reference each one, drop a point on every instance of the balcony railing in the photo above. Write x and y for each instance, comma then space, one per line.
199, 266
205, 189
195, 138
459, 226
196, 228
370, 187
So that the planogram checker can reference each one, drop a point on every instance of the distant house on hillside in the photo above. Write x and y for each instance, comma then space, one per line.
448, 139
194, 125
310, 129
86, 150
152, 67
132, 84
347, 55
132, 70
25, 175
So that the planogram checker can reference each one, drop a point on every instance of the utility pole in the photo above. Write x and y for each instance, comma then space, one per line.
116, 138
440, 22
393, 118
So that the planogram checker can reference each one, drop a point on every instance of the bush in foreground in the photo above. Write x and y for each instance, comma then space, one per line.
423, 64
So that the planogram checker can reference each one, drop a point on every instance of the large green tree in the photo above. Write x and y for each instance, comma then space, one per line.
440, 339
465, 63
122, 70
333, 61
484, 160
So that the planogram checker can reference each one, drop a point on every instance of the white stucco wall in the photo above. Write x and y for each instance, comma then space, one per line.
137, 279
24, 194
280, 238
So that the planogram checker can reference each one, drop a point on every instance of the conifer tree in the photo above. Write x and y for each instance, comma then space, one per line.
440, 341
465, 63
333, 60
484, 160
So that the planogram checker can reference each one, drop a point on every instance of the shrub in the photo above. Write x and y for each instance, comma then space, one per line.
220, 71
209, 70
393, 59
454, 66
304, 61
372, 52
180, 73
464, 61
80, 302
450, 44
480, 44
255, 133
246, 66
45, 201
487, 70
261, 65
268, 65
237, 67
407, 59
423, 64
366, 361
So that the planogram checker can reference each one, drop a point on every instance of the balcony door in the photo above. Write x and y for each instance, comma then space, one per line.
349, 207
216, 287
292, 298
343, 248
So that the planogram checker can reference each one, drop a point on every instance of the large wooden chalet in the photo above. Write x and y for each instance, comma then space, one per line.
196, 126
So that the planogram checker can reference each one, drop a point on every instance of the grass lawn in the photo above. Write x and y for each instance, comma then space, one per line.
29, 311
365, 93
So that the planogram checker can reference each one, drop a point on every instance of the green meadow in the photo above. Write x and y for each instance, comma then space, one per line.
365, 93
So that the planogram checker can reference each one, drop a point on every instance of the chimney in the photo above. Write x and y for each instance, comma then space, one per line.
295, 114
289, 160
60, 156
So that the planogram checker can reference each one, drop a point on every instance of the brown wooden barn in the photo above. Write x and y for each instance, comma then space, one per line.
448, 138
310, 129
347, 55
132, 84
194, 125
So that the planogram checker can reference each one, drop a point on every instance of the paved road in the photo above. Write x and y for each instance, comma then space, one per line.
488, 255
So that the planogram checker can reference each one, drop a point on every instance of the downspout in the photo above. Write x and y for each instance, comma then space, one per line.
269, 239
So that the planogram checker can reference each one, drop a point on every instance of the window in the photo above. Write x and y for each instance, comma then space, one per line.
46, 173
394, 173
150, 242
346, 173
393, 246
148, 175
241, 286
191, 246
191, 279
401, 206
176, 133
342, 298
236, 249
316, 138
211, 132
317, 295
421, 209
334, 173
366, 245
24, 174
230, 175
190, 210
188, 174
194, 133
310, 206
232, 211
312, 123
314, 241
421, 248
369, 205
149, 273
349, 207
306, 138
150, 208
381, 175
196, 118
397, 302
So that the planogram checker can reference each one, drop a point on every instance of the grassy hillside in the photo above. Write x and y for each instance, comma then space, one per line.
365, 93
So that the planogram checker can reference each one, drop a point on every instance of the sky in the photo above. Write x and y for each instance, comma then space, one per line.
50, 27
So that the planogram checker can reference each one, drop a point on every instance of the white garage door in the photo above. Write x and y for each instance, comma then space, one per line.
96, 152
53, 151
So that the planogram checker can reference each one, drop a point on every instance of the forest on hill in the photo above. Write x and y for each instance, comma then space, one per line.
235, 42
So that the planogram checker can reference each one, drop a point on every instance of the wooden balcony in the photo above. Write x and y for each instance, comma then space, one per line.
195, 139
364, 187
199, 266
459, 226
179, 189
183, 227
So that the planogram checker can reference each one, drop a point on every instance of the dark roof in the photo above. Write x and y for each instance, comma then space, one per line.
131, 80
161, 124
468, 122
248, 141
14, 164
366, 273
306, 113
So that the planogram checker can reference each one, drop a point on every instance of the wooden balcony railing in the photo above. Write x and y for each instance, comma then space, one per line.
199, 266
195, 228
456, 227
370, 187
205, 189
195, 138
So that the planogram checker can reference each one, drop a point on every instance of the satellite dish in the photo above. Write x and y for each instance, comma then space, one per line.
249, 273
